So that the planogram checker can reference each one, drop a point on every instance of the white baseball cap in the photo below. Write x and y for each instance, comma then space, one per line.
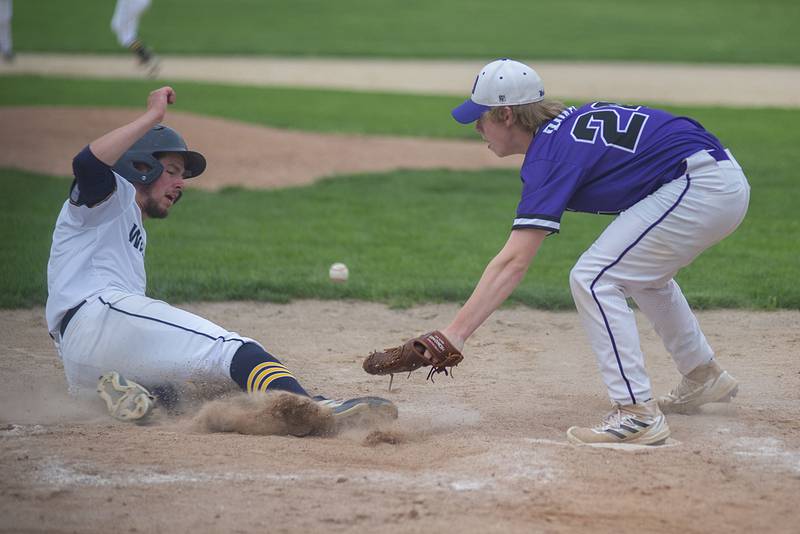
503, 82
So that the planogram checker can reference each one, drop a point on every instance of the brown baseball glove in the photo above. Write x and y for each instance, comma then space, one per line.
412, 355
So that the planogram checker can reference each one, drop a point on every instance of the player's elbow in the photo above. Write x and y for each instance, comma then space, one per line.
518, 269
519, 259
513, 266
82, 162
521, 248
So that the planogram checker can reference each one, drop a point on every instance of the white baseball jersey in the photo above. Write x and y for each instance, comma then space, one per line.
97, 256
95, 249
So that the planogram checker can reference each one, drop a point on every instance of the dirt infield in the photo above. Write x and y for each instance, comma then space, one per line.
484, 451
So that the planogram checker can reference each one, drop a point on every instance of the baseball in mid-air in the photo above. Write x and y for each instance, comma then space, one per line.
338, 272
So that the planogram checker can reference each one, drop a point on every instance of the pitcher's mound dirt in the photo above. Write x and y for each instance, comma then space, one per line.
45, 139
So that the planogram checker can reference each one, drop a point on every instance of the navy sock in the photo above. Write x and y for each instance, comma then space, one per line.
255, 369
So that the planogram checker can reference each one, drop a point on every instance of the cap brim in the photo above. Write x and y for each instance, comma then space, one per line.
194, 164
469, 112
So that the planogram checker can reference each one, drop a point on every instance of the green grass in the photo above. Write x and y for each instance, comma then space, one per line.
680, 30
276, 245
401, 246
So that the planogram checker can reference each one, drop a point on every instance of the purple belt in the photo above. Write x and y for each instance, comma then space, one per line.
717, 154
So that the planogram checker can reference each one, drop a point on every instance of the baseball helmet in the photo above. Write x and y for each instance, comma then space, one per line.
145, 151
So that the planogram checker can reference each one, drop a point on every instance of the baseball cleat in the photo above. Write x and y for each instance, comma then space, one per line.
706, 383
640, 424
146, 58
126, 400
153, 67
361, 411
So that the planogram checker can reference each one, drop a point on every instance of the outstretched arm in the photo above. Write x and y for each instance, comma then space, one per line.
499, 279
442, 349
94, 181
112, 145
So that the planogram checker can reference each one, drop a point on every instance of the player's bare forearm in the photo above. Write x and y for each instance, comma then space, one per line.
498, 281
110, 147
501, 276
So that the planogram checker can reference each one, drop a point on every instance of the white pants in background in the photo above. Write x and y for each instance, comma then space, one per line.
6, 46
638, 255
125, 21
147, 341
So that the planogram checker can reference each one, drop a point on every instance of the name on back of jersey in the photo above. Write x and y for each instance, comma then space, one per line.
554, 124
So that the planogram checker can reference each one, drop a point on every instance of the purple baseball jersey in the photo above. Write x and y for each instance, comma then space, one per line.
603, 158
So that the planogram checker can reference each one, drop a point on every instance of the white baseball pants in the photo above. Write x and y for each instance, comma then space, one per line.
638, 255
147, 341
125, 21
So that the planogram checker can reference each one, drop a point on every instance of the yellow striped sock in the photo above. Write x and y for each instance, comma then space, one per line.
264, 373
257, 370
265, 384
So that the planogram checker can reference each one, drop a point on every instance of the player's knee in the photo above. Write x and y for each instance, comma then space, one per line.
580, 279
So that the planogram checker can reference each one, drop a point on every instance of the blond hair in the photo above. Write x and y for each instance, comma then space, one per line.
530, 116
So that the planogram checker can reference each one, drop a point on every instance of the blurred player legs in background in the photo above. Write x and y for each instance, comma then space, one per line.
125, 23
6, 47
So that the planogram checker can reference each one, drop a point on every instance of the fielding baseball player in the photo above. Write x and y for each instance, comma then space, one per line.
125, 24
101, 321
675, 191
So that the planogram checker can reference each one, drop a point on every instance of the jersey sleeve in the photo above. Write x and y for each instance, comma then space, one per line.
94, 180
547, 187
98, 194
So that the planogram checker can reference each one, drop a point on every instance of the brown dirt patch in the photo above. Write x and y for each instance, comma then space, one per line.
45, 139
482, 452
282, 414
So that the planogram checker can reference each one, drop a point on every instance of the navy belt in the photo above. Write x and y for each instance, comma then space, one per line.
68, 316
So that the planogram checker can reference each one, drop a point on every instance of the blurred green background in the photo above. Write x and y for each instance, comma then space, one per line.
645, 30
402, 246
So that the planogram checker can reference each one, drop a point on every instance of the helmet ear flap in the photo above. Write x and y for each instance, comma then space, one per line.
130, 166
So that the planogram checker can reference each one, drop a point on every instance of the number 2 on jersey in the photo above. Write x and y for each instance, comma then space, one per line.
606, 119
